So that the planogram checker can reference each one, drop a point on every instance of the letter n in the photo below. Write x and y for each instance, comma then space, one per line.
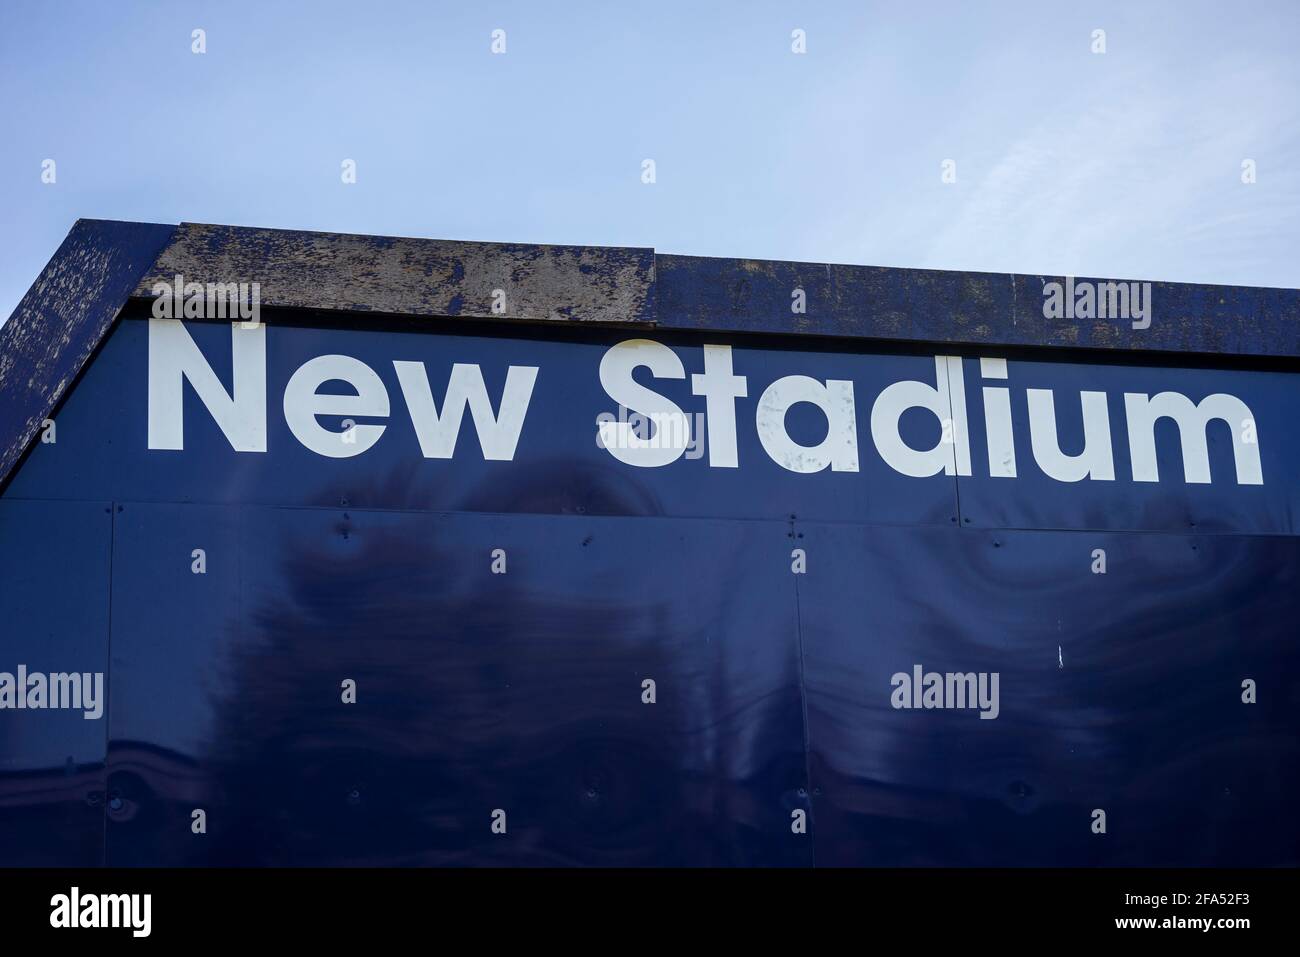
174, 357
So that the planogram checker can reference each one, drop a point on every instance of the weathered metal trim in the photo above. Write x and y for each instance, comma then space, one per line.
415, 277
62, 319
418, 277
963, 308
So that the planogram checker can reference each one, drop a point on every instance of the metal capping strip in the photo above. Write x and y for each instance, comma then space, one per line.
617, 285
415, 277
967, 308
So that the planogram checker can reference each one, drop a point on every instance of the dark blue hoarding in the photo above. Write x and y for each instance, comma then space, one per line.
505, 594
438, 553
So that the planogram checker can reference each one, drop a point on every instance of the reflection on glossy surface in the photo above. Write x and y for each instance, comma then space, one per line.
524, 692
54, 590
1119, 691
476, 691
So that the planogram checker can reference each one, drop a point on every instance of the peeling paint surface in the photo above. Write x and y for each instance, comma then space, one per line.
62, 319
415, 277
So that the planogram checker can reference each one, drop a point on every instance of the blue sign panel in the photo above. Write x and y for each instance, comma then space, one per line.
54, 589
176, 615
435, 593
683, 426
594, 696
1011, 698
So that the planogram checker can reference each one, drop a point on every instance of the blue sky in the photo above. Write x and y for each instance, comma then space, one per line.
1125, 164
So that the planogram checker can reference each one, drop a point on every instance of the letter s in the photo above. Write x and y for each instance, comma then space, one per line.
671, 427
